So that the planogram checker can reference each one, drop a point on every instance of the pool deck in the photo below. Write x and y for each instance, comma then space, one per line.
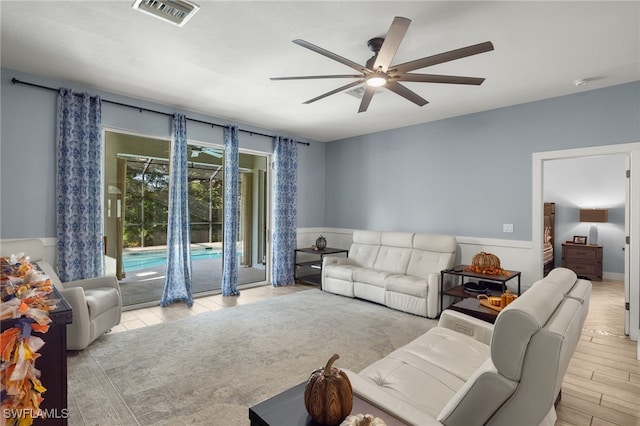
145, 286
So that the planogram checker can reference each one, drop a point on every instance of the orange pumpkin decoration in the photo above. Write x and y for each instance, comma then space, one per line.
484, 260
328, 396
486, 263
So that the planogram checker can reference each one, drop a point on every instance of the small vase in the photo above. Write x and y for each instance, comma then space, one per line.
321, 243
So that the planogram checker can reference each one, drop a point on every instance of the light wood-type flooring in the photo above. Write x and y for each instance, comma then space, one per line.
602, 384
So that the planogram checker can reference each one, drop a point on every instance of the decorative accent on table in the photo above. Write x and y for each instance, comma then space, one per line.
474, 287
328, 396
579, 239
363, 420
23, 291
486, 263
497, 302
321, 243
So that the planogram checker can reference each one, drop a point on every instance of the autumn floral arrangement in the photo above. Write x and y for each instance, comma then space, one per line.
24, 291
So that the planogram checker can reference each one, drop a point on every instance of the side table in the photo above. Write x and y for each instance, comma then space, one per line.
497, 284
287, 409
473, 308
315, 264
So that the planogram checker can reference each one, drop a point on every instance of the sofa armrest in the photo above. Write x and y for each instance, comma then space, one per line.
107, 281
376, 395
334, 260
465, 324
80, 327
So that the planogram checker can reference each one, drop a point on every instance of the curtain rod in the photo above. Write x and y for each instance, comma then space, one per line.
16, 81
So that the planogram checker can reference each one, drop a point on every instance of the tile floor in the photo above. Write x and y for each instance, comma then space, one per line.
143, 317
602, 384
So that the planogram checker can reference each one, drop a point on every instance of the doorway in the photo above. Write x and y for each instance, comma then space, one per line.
136, 215
632, 221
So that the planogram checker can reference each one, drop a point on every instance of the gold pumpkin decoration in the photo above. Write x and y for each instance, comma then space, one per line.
486, 263
328, 396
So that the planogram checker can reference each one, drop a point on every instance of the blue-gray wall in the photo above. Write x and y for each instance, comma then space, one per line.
464, 176
585, 183
27, 152
469, 175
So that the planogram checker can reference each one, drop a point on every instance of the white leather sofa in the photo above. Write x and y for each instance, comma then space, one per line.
96, 302
467, 372
398, 269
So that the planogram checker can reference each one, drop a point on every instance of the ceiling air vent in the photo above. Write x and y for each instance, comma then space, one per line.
358, 92
177, 12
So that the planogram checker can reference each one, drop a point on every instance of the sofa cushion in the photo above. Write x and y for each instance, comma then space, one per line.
394, 253
431, 253
563, 278
436, 243
428, 371
101, 299
371, 238
397, 239
341, 272
370, 277
407, 284
392, 259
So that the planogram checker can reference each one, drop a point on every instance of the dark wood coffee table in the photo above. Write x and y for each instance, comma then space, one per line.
287, 409
472, 307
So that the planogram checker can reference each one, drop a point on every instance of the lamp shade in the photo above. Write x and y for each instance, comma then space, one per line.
594, 215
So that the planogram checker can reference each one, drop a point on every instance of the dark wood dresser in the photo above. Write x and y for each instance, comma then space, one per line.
53, 362
584, 260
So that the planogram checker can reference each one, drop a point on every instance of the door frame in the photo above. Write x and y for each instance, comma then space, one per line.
632, 270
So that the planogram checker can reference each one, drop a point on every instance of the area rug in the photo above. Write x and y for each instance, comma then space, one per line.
210, 368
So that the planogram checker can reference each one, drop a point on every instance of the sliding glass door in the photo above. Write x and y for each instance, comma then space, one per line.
136, 209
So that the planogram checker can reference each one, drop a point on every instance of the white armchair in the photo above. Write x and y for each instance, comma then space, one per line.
96, 302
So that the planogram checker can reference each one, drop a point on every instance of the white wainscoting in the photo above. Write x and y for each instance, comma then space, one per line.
514, 255
50, 248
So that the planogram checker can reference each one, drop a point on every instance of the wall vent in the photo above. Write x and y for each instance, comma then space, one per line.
176, 12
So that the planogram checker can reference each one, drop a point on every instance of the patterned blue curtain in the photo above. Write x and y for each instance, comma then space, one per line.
177, 285
284, 210
231, 213
79, 186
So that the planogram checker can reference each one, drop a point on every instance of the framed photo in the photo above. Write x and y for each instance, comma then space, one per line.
579, 239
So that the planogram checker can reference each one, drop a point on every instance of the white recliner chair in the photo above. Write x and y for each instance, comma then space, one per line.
96, 302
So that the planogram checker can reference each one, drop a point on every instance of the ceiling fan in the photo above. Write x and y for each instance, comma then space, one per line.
378, 71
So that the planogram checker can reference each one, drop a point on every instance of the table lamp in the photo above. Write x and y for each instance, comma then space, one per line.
594, 216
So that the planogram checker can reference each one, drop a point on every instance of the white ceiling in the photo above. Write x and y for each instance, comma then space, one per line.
220, 62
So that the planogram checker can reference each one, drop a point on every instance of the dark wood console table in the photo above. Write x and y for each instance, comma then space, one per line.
53, 362
287, 409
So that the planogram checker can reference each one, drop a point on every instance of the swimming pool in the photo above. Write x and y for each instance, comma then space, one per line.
134, 261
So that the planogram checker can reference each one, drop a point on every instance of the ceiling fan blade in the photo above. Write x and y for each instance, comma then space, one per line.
406, 93
434, 78
331, 55
333, 92
444, 57
392, 42
366, 98
310, 77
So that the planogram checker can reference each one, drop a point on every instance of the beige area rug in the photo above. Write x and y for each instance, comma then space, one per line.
209, 369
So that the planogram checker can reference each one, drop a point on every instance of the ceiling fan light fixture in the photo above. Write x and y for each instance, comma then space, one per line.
377, 79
